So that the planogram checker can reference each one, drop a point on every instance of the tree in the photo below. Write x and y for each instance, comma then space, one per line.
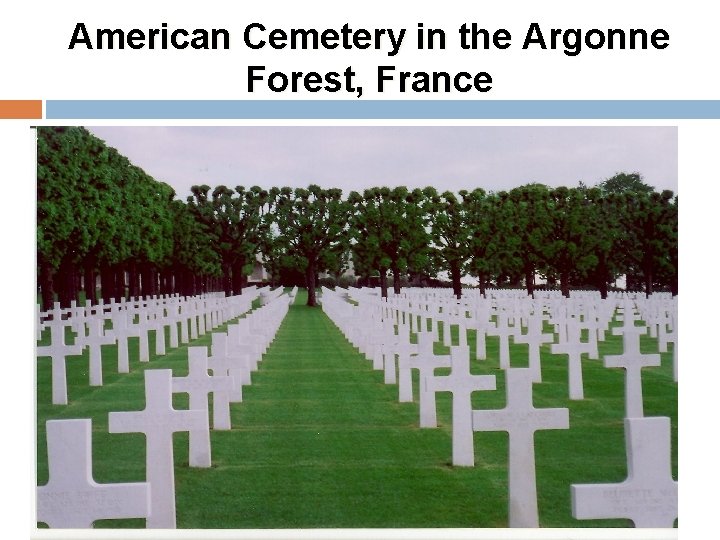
650, 222
388, 231
192, 257
62, 232
485, 235
625, 183
524, 227
570, 250
312, 222
449, 231
234, 221
605, 230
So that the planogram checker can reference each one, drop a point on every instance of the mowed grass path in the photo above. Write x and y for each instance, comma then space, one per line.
320, 441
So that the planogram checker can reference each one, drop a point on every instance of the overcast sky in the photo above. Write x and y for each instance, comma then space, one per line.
354, 158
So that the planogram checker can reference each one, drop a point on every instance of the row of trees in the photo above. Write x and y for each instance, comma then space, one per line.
583, 237
100, 215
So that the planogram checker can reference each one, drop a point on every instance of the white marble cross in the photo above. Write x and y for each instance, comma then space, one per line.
71, 498
426, 361
632, 360
94, 341
503, 331
406, 361
158, 421
157, 322
140, 330
574, 349
461, 383
243, 337
241, 355
649, 495
446, 320
198, 385
521, 420
57, 351
39, 324
221, 363
481, 322
120, 333
390, 343
534, 339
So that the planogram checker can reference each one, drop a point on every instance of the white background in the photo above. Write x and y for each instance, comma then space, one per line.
37, 65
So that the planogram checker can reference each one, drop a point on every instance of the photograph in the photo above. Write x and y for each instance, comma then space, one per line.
355, 327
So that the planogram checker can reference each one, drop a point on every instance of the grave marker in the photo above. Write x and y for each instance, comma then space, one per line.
405, 362
120, 333
534, 339
57, 351
521, 420
632, 360
426, 361
503, 331
573, 348
94, 341
71, 498
221, 363
649, 495
461, 383
198, 385
158, 421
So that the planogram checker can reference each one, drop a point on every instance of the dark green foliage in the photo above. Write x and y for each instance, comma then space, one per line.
234, 227
98, 213
388, 232
100, 216
312, 225
451, 224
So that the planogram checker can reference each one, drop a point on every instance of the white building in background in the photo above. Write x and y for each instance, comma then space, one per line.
259, 274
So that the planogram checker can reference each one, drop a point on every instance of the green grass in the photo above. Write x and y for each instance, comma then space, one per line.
320, 441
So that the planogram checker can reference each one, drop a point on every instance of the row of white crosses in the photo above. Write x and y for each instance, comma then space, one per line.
72, 499
519, 417
153, 314
569, 323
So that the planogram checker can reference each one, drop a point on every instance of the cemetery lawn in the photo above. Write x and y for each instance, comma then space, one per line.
320, 441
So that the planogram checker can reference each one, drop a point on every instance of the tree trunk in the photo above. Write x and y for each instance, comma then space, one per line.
107, 282
227, 279
310, 283
383, 283
134, 279
68, 282
603, 288
194, 285
90, 275
237, 278
530, 279
146, 280
674, 284
455, 277
120, 288
601, 275
396, 278
46, 286
482, 280
565, 284
648, 283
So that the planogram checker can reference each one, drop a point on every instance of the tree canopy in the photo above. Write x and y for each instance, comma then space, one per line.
100, 215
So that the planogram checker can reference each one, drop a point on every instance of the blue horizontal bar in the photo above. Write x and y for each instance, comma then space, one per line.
382, 109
